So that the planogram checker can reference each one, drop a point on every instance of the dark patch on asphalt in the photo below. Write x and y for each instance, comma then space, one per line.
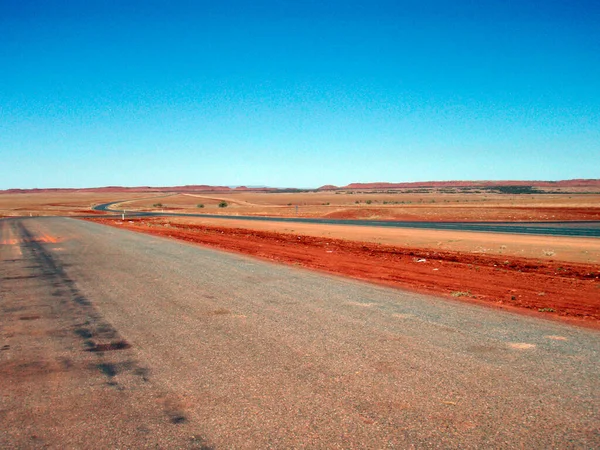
19, 369
108, 369
37, 441
106, 330
84, 333
143, 373
25, 277
111, 346
81, 300
174, 411
66, 363
178, 419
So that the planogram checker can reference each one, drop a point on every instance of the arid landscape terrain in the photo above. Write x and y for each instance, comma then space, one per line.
553, 276
474, 201
121, 324
284, 224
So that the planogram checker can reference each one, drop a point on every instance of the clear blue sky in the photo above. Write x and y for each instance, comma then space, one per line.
297, 93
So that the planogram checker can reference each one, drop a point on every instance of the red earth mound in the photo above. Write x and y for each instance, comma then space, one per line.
552, 289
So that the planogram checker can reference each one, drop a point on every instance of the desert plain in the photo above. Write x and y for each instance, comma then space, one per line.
211, 330
552, 276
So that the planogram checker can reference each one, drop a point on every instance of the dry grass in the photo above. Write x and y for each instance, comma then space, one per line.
52, 204
429, 206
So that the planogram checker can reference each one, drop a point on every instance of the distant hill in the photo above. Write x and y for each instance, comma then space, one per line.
187, 188
595, 183
457, 183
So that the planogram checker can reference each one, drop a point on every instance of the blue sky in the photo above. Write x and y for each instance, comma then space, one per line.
297, 93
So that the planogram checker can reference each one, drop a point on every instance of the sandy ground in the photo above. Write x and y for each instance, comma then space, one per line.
378, 206
58, 204
561, 289
583, 250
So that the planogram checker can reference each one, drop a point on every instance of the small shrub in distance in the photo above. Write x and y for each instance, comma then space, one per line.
200, 205
368, 202
158, 205
223, 205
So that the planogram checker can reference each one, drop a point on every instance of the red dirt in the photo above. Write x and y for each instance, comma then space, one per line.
552, 289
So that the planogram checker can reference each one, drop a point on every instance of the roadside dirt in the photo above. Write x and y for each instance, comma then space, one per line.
551, 289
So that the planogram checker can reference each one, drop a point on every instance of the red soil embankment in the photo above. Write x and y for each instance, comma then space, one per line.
552, 289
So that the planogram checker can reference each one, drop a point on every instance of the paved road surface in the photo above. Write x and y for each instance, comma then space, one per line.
571, 228
112, 339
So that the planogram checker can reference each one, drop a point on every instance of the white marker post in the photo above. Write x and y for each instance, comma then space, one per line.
123, 215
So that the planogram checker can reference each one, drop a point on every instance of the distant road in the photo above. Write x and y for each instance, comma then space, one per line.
116, 339
579, 229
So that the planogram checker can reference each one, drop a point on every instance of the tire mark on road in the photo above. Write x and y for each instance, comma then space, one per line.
71, 326
99, 334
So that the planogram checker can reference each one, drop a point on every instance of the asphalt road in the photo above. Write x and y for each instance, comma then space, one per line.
112, 339
571, 228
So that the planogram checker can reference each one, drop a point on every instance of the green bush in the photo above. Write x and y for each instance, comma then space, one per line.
223, 205
200, 205
158, 205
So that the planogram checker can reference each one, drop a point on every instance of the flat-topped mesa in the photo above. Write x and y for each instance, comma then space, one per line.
463, 183
116, 189
581, 183
197, 187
